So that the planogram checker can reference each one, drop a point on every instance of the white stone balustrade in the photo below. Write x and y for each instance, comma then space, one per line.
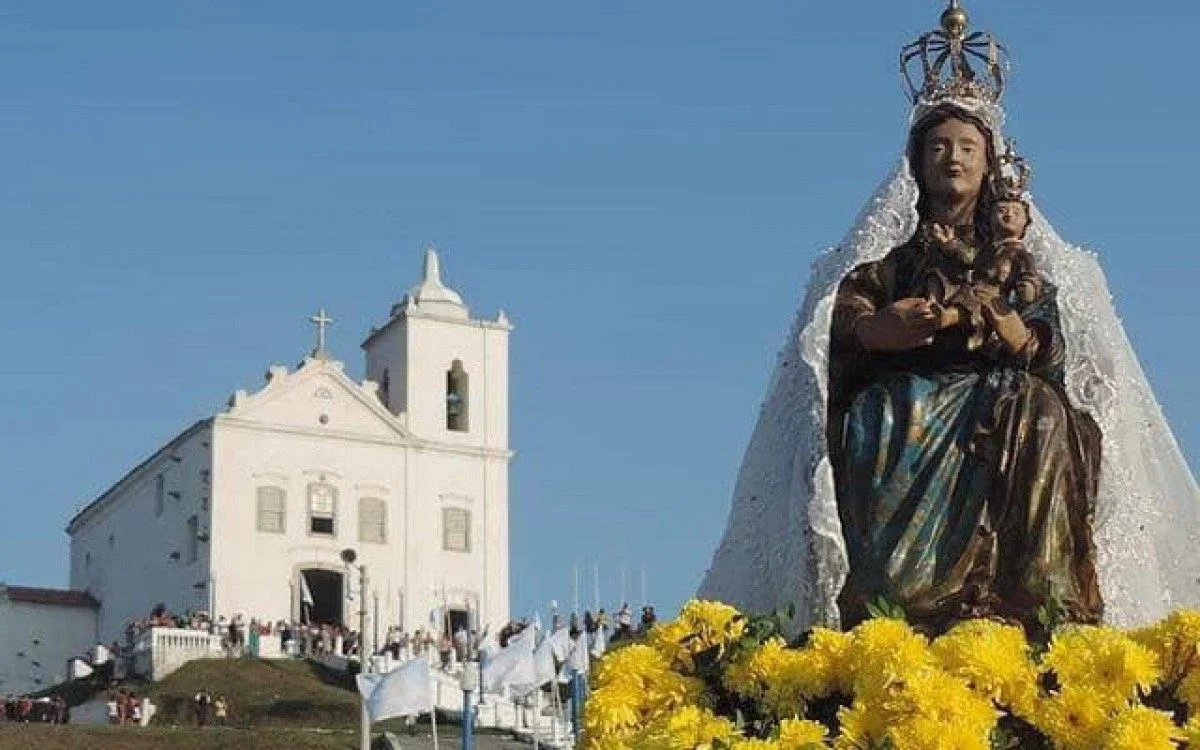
161, 651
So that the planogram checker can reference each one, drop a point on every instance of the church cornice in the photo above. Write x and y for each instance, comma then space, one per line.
501, 323
398, 442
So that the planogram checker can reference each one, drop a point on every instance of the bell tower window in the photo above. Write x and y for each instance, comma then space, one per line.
456, 397
385, 387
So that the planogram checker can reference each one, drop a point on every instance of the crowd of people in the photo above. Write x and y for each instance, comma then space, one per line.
25, 709
242, 637
124, 707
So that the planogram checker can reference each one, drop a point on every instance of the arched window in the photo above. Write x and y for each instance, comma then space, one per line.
456, 397
385, 385
322, 509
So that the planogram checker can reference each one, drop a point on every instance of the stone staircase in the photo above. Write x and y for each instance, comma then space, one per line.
500, 712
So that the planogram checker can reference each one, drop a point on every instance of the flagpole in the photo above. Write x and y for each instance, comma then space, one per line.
624, 580
433, 720
537, 710
575, 570
596, 587
643, 584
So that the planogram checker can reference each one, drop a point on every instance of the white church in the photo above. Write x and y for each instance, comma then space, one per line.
249, 510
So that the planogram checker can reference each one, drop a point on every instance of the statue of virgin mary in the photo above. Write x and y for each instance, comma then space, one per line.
945, 441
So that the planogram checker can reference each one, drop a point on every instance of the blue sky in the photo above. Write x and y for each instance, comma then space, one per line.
642, 187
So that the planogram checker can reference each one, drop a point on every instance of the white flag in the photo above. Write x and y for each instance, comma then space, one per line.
306, 596
561, 643
488, 645
405, 691
543, 662
577, 659
599, 643
512, 666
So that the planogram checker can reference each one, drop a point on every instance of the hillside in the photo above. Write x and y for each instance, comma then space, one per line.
259, 692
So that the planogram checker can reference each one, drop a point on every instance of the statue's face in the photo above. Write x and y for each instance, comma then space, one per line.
953, 160
1009, 219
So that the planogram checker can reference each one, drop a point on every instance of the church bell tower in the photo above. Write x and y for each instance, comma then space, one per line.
441, 370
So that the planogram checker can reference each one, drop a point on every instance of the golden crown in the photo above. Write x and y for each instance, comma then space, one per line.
1012, 179
954, 65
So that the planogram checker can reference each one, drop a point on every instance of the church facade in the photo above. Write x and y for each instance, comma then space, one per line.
251, 511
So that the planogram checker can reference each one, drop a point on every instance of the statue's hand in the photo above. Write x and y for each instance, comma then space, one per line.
943, 235
905, 324
1004, 320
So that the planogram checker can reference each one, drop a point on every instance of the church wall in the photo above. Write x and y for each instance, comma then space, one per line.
434, 344
130, 556
37, 640
256, 571
475, 578
387, 351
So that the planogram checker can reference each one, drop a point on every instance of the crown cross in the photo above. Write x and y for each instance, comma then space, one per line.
953, 63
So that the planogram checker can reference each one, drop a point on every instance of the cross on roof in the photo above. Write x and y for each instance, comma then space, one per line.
321, 320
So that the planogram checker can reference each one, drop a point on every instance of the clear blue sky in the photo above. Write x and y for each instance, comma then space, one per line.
642, 186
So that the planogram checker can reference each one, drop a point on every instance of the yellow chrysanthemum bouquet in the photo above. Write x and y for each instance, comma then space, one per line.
715, 679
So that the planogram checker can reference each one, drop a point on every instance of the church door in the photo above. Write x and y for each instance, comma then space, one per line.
459, 619
327, 592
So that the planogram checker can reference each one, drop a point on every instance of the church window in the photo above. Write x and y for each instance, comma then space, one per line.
322, 508
385, 385
87, 559
372, 520
456, 530
271, 510
456, 397
160, 494
193, 539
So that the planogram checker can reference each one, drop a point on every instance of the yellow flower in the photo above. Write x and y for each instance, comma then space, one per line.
633, 686
801, 734
882, 651
1102, 658
688, 728
1142, 728
613, 711
826, 652
672, 639
783, 679
1074, 718
993, 659
908, 710
941, 697
637, 663
1176, 641
700, 626
862, 726
923, 733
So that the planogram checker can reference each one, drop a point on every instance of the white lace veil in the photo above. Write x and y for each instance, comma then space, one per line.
783, 550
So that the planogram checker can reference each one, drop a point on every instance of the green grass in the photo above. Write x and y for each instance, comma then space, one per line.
47, 737
259, 693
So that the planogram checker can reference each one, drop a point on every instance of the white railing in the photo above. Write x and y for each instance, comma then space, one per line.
160, 651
